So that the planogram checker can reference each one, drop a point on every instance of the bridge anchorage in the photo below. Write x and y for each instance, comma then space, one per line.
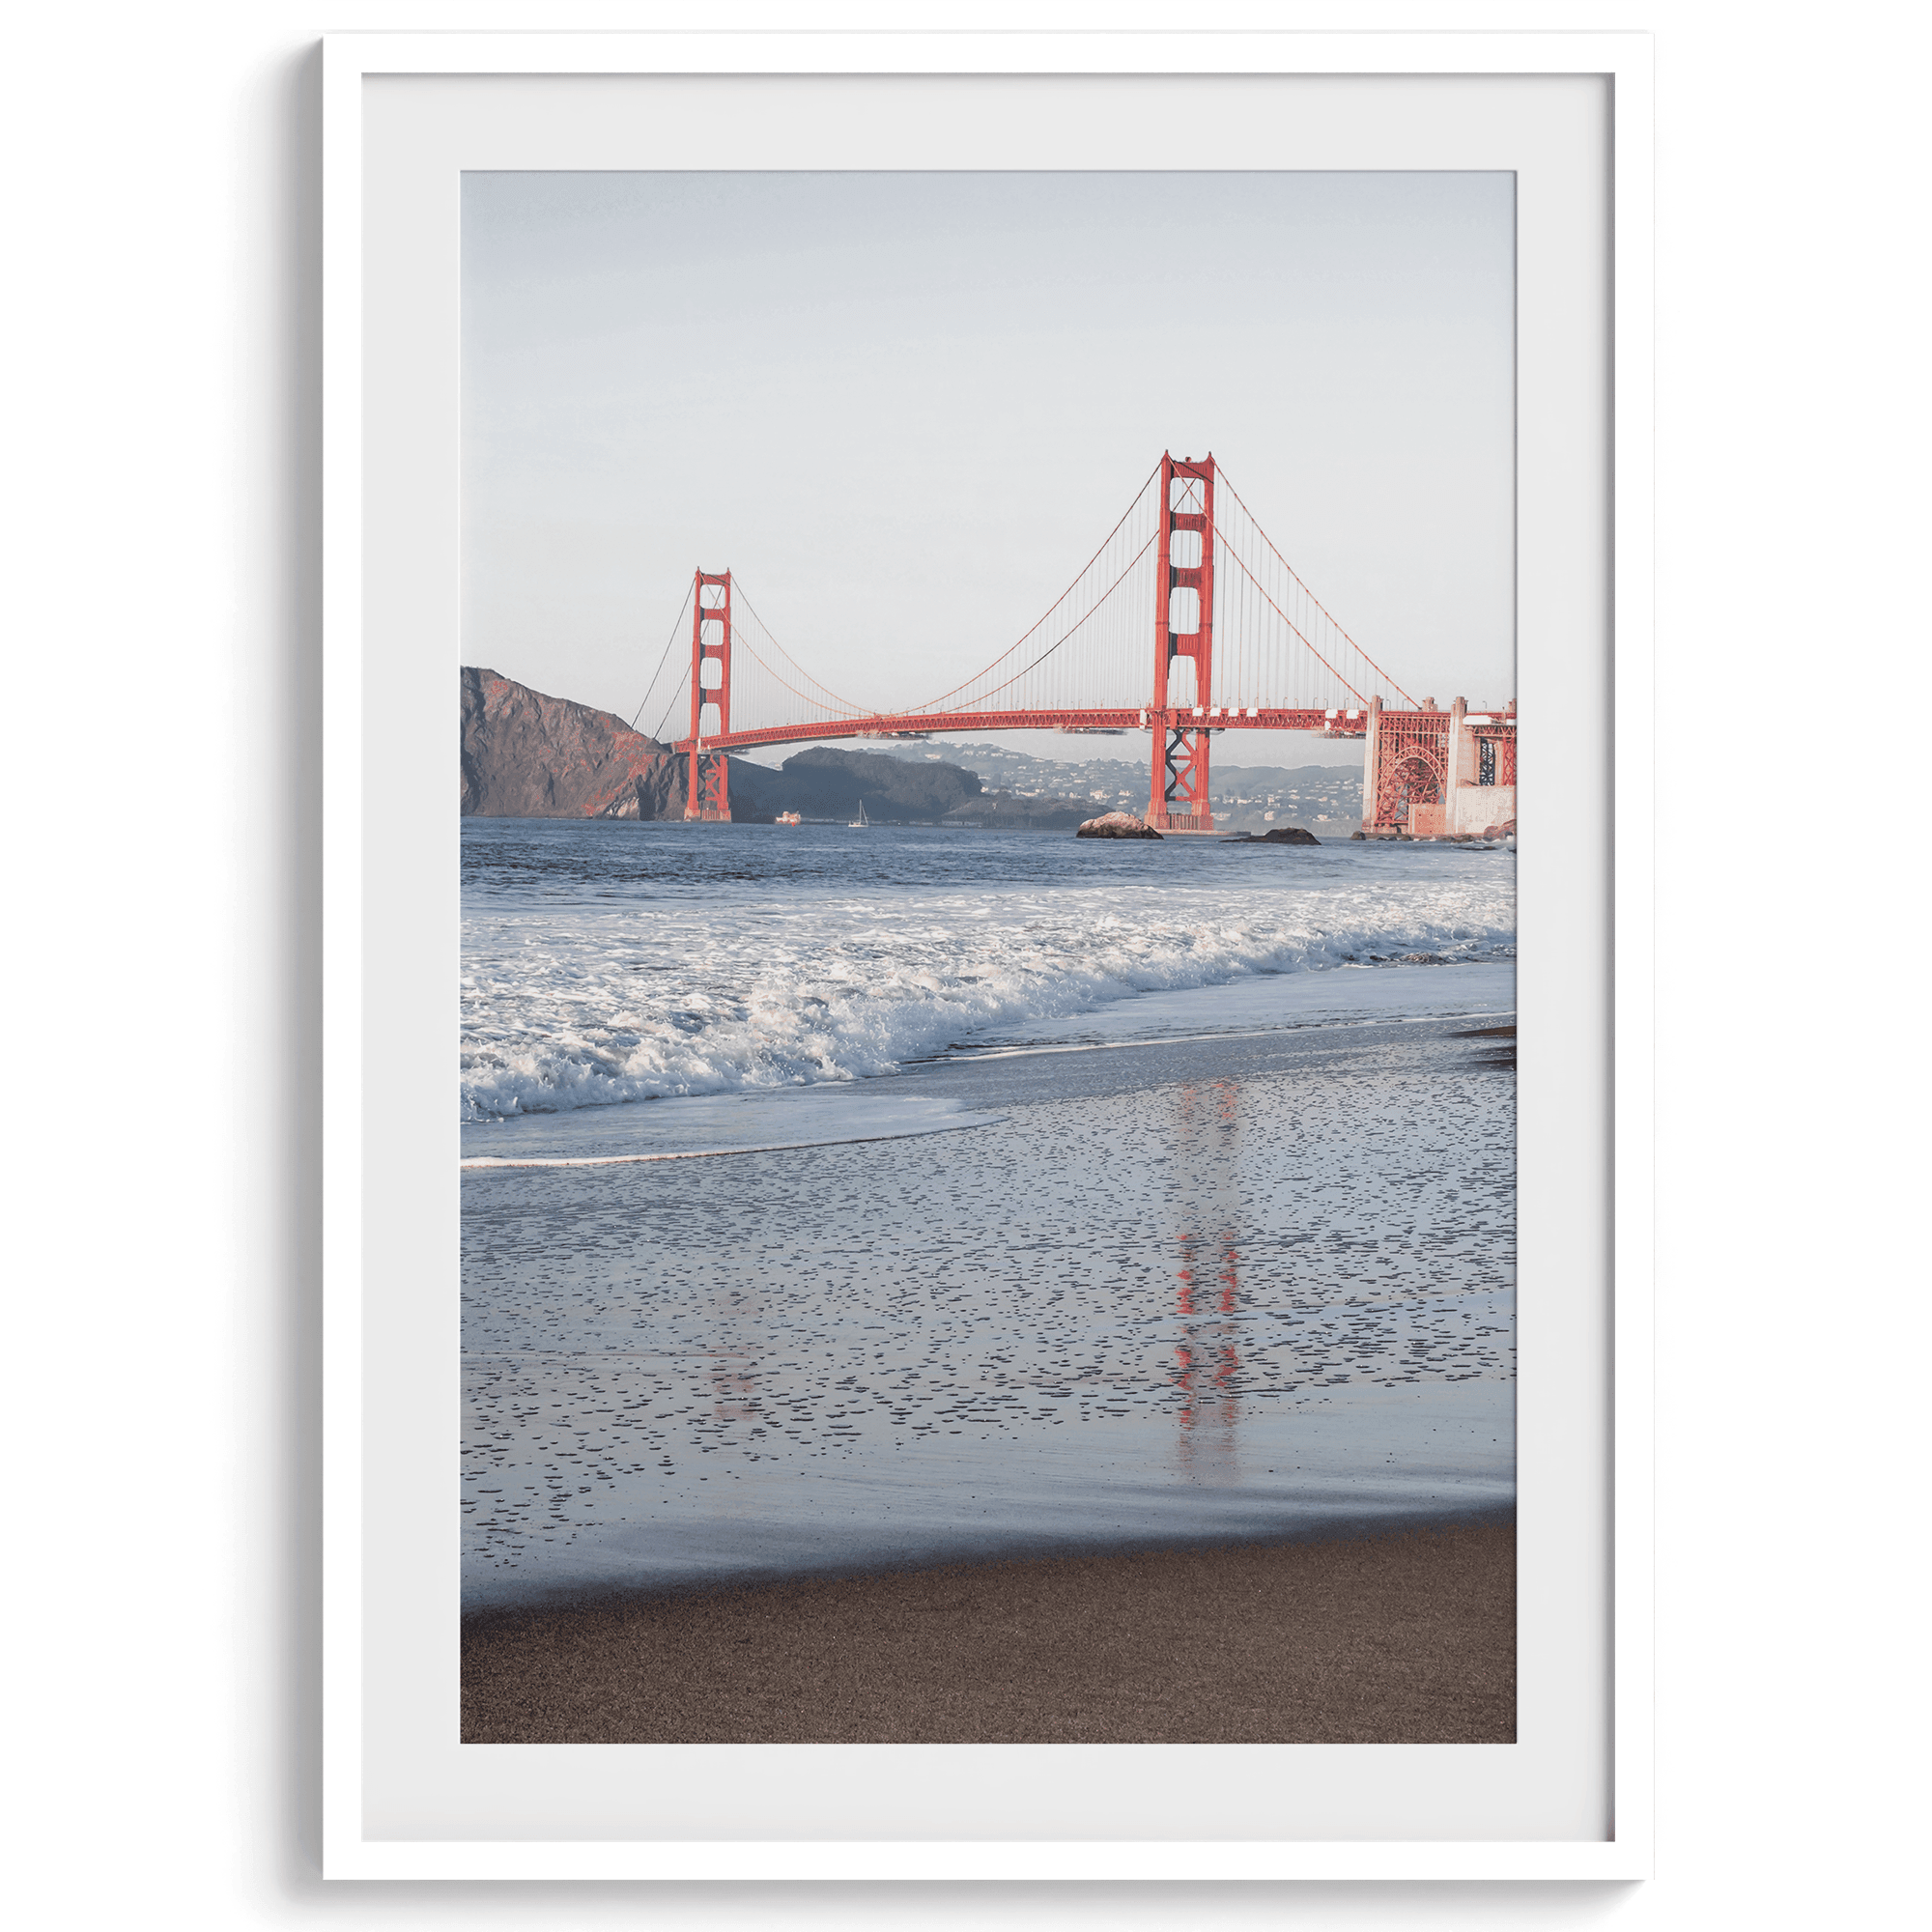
1239, 643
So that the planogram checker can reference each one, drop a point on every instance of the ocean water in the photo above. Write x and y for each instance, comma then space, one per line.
837, 1199
605, 964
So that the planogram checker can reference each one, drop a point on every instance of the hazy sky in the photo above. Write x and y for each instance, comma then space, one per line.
904, 408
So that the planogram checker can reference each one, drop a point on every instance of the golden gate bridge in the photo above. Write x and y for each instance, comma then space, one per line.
1238, 643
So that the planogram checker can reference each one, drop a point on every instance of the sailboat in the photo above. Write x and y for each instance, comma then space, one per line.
861, 823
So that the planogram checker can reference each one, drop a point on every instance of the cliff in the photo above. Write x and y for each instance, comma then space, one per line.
526, 755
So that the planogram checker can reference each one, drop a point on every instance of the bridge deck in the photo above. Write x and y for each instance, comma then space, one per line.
925, 724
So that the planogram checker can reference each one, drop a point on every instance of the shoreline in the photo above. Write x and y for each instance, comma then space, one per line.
1296, 1009
959, 1375
1379, 1639
729, 1566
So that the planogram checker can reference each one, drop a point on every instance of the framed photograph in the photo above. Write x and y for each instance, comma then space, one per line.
987, 1203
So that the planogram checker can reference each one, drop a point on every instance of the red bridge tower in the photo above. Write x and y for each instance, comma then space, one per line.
1183, 627
709, 796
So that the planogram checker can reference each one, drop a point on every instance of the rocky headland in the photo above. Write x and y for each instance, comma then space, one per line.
529, 755
526, 754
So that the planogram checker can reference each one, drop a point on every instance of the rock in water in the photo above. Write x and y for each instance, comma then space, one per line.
1117, 825
1282, 835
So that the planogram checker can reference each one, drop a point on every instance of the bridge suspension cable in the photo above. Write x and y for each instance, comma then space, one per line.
669, 646
677, 692
826, 699
770, 686
1275, 646
1281, 577
1092, 591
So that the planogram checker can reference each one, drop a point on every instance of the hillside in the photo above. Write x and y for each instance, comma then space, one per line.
1008, 812
828, 783
1326, 799
528, 755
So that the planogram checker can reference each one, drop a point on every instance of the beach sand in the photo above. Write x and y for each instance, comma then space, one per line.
1390, 1639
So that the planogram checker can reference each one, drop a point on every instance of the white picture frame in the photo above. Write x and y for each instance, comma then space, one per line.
373, 1348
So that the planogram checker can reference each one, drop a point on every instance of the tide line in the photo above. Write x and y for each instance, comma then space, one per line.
714, 1153
972, 1055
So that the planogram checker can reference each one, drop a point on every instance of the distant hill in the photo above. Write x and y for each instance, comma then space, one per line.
1327, 798
827, 784
1005, 811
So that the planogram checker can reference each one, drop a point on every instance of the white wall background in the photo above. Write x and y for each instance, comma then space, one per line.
161, 640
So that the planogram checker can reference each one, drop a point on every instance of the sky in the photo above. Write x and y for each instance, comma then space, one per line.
905, 409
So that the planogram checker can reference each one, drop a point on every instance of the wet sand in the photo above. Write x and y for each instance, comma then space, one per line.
1389, 1639
1240, 1287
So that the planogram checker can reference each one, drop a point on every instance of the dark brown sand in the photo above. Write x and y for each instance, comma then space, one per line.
1395, 1639
1502, 1058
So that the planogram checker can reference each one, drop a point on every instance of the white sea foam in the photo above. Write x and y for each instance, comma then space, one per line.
590, 1007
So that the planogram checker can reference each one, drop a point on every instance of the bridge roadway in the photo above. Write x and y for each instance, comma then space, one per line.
1128, 718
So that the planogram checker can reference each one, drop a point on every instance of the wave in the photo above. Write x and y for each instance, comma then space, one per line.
594, 1008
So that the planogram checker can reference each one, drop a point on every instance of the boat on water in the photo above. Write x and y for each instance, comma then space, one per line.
787, 818
861, 822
